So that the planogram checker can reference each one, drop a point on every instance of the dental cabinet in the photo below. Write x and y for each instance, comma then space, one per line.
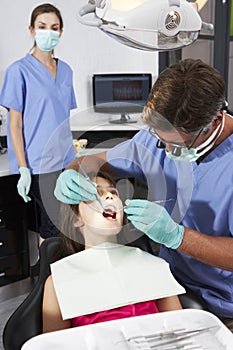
14, 253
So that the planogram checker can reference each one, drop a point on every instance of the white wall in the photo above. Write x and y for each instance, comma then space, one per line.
87, 50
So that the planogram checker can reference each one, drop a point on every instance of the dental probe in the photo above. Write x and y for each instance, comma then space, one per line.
156, 201
89, 180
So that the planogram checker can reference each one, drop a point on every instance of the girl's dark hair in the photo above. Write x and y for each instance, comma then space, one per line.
45, 8
72, 240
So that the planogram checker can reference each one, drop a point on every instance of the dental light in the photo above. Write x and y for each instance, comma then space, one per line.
153, 25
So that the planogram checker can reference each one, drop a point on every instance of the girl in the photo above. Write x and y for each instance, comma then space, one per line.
102, 280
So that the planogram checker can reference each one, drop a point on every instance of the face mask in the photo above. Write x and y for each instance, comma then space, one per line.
47, 39
192, 154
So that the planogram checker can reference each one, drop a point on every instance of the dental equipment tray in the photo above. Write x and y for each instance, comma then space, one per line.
195, 329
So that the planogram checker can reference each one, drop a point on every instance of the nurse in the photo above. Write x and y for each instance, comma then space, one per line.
185, 156
38, 92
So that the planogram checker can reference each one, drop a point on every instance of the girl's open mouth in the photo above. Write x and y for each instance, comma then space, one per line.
109, 213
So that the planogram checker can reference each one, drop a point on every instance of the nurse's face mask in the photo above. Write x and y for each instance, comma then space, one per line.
190, 154
47, 39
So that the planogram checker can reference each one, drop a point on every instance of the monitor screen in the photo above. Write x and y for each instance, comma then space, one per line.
121, 93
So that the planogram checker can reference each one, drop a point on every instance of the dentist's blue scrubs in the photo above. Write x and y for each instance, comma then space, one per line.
201, 198
45, 104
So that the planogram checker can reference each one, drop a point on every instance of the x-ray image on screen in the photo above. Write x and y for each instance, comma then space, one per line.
127, 90
122, 94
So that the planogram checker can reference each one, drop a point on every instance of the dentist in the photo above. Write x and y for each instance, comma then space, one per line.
38, 92
184, 155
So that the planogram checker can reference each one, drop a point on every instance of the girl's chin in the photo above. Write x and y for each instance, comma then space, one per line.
110, 231
107, 229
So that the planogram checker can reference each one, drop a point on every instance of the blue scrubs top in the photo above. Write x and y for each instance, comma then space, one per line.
45, 103
202, 200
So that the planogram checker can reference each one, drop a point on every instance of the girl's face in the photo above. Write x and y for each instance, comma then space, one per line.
98, 226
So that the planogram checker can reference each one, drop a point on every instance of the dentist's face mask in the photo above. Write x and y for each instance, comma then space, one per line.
190, 154
47, 39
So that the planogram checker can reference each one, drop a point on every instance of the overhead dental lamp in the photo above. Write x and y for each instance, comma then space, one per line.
153, 25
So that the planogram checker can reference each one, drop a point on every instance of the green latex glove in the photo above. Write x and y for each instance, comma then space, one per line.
73, 188
24, 183
153, 219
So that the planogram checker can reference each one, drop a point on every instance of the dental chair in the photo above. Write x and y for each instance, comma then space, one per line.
26, 320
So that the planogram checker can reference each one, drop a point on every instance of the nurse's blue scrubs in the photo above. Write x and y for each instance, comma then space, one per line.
45, 104
201, 198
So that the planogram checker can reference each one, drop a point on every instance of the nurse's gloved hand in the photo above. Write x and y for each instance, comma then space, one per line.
73, 188
24, 183
154, 220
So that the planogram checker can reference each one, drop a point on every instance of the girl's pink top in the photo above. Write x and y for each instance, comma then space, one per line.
139, 309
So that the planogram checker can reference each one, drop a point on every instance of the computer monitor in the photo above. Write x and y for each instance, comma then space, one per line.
122, 94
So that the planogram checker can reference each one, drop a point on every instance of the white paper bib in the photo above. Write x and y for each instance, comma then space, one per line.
108, 276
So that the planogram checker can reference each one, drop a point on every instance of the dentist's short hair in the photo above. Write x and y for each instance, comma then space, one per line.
187, 95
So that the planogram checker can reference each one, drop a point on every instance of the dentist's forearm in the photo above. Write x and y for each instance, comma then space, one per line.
214, 251
96, 162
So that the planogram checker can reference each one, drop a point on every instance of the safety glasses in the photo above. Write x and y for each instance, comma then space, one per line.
161, 143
